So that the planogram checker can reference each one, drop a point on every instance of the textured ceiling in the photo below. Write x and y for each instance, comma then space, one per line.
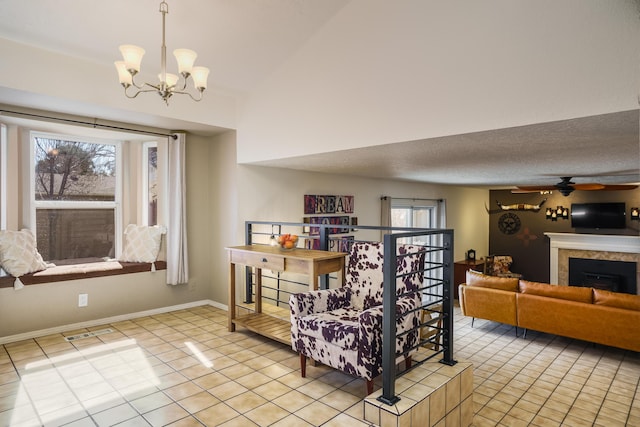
603, 148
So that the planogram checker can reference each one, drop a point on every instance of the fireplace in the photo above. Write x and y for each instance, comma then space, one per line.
563, 246
615, 276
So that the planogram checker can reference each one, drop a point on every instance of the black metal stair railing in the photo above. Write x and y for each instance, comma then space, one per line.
436, 293
444, 299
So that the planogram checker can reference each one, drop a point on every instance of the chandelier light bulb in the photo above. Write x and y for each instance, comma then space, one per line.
200, 75
185, 59
171, 79
124, 76
132, 56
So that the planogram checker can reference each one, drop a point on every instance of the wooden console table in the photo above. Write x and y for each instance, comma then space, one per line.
303, 261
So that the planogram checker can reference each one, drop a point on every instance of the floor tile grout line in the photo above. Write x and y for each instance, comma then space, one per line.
223, 401
564, 376
572, 354
547, 366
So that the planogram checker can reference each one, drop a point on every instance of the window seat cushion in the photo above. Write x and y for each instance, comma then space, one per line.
61, 273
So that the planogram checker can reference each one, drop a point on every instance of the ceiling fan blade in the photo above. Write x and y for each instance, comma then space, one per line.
527, 191
534, 188
588, 187
616, 187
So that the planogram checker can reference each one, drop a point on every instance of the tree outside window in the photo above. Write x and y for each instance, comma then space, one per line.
75, 192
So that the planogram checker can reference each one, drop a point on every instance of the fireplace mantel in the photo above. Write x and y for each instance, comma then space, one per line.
588, 242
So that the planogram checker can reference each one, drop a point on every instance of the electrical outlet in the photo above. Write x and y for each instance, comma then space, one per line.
83, 300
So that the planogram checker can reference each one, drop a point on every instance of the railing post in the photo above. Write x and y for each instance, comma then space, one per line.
248, 274
389, 322
447, 321
324, 246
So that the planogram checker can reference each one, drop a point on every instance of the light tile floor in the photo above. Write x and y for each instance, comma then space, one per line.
546, 380
184, 369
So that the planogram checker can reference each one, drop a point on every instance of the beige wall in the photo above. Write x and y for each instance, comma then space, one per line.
221, 196
269, 194
46, 306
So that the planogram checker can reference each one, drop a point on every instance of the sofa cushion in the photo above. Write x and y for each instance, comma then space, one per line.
475, 278
616, 299
487, 303
570, 293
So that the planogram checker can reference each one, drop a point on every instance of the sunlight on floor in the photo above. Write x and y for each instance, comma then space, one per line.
61, 387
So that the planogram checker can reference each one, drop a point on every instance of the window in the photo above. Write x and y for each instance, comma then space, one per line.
76, 192
417, 213
150, 183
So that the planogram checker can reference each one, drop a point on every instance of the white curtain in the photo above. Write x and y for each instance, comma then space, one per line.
177, 259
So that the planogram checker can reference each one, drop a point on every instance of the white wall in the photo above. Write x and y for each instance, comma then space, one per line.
78, 86
382, 72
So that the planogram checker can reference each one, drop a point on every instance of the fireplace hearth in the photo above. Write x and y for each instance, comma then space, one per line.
615, 276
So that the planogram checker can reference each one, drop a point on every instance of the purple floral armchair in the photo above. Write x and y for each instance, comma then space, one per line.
342, 328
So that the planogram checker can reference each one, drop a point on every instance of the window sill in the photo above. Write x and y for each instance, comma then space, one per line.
7, 281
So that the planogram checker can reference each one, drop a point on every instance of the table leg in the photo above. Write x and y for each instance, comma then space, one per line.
231, 308
313, 277
258, 290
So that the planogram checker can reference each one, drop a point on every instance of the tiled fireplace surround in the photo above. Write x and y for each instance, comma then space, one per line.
590, 246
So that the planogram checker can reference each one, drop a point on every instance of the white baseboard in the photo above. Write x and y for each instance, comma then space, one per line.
114, 319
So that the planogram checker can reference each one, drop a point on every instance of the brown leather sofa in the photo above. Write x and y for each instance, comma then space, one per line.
588, 314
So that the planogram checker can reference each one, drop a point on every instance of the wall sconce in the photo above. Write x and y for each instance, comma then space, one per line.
635, 214
558, 212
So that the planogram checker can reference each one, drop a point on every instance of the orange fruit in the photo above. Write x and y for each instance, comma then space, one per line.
288, 244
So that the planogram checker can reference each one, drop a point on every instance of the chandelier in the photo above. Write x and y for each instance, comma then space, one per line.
168, 85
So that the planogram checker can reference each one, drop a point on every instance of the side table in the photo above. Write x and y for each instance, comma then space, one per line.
460, 272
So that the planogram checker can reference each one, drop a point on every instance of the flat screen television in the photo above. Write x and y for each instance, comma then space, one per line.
598, 215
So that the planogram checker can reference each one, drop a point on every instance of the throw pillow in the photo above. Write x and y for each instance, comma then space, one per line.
142, 243
18, 253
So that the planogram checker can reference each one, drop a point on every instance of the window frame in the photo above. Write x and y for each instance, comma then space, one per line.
116, 204
144, 209
435, 208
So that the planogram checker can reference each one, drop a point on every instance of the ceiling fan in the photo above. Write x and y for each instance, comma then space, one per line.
566, 187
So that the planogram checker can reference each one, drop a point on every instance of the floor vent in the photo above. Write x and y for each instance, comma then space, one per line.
87, 335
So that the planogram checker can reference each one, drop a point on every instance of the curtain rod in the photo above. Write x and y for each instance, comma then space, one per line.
93, 125
412, 198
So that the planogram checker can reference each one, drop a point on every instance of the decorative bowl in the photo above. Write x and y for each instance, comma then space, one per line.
287, 242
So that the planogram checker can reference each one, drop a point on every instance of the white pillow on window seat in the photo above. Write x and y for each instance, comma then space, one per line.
142, 243
18, 253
